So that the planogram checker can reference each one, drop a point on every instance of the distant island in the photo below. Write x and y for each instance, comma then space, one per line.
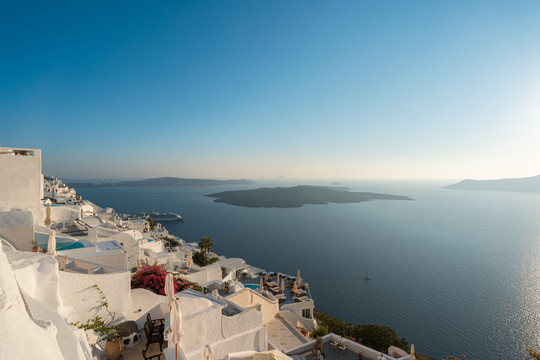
297, 196
336, 183
162, 181
526, 184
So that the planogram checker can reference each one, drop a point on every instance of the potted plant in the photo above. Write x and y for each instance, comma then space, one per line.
35, 247
318, 346
104, 329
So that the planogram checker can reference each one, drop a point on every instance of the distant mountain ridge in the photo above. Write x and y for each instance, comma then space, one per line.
526, 184
162, 181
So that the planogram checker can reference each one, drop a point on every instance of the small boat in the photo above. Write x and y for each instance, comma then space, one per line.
166, 217
367, 277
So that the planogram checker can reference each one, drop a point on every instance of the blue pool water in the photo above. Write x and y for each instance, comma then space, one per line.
252, 286
454, 272
61, 242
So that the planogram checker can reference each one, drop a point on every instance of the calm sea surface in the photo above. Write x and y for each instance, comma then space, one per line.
454, 272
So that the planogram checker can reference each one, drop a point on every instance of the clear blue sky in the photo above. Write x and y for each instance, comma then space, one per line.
227, 89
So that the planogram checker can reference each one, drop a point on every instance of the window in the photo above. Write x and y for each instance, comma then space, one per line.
306, 313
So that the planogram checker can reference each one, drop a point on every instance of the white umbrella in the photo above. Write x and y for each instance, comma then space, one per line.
48, 215
169, 288
51, 246
188, 261
176, 325
295, 287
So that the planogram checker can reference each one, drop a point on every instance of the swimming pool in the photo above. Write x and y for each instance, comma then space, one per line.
62, 243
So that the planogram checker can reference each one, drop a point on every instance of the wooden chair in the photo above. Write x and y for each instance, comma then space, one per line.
157, 325
157, 356
153, 337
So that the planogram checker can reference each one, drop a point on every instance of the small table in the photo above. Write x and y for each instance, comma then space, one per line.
129, 332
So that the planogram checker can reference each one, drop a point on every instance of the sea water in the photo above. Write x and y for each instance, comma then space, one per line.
454, 272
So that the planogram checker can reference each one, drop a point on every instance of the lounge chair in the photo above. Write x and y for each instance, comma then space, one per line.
343, 346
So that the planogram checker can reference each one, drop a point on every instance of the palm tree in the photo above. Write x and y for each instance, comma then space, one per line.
206, 245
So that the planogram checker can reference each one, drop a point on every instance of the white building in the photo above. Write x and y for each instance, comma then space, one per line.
21, 180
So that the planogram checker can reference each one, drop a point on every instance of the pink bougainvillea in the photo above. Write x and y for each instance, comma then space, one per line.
152, 278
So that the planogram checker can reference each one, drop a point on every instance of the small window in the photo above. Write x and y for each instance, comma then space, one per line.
306, 313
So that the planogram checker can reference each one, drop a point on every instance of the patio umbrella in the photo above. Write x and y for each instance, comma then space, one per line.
295, 287
48, 220
176, 325
298, 277
138, 263
282, 284
188, 261
412, 352
51, 246
169, 288
277, 280
262, 283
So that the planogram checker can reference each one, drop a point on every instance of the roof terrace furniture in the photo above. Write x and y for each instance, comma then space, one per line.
276, 290
157, 325
153, 337
157, 356
343, 346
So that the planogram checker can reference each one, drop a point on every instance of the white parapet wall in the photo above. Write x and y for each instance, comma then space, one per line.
38, 283
21, 180
293, 313
20, 336
248, 298
82, 300
206, 274
17, 228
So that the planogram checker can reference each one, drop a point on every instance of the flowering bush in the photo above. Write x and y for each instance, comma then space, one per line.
533, 354
152, 278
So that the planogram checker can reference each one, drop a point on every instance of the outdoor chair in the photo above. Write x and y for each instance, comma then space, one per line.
334, 344
153, 337
157, 356
343, 346
157, 325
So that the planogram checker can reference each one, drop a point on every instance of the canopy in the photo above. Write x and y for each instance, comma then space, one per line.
51, 246
176, 325
169, 289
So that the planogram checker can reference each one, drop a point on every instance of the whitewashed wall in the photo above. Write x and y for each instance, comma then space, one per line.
293, 313
208, 273
38, 282
20, 180
20, 336
81, 300
241, 332
247, 298
17, 227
